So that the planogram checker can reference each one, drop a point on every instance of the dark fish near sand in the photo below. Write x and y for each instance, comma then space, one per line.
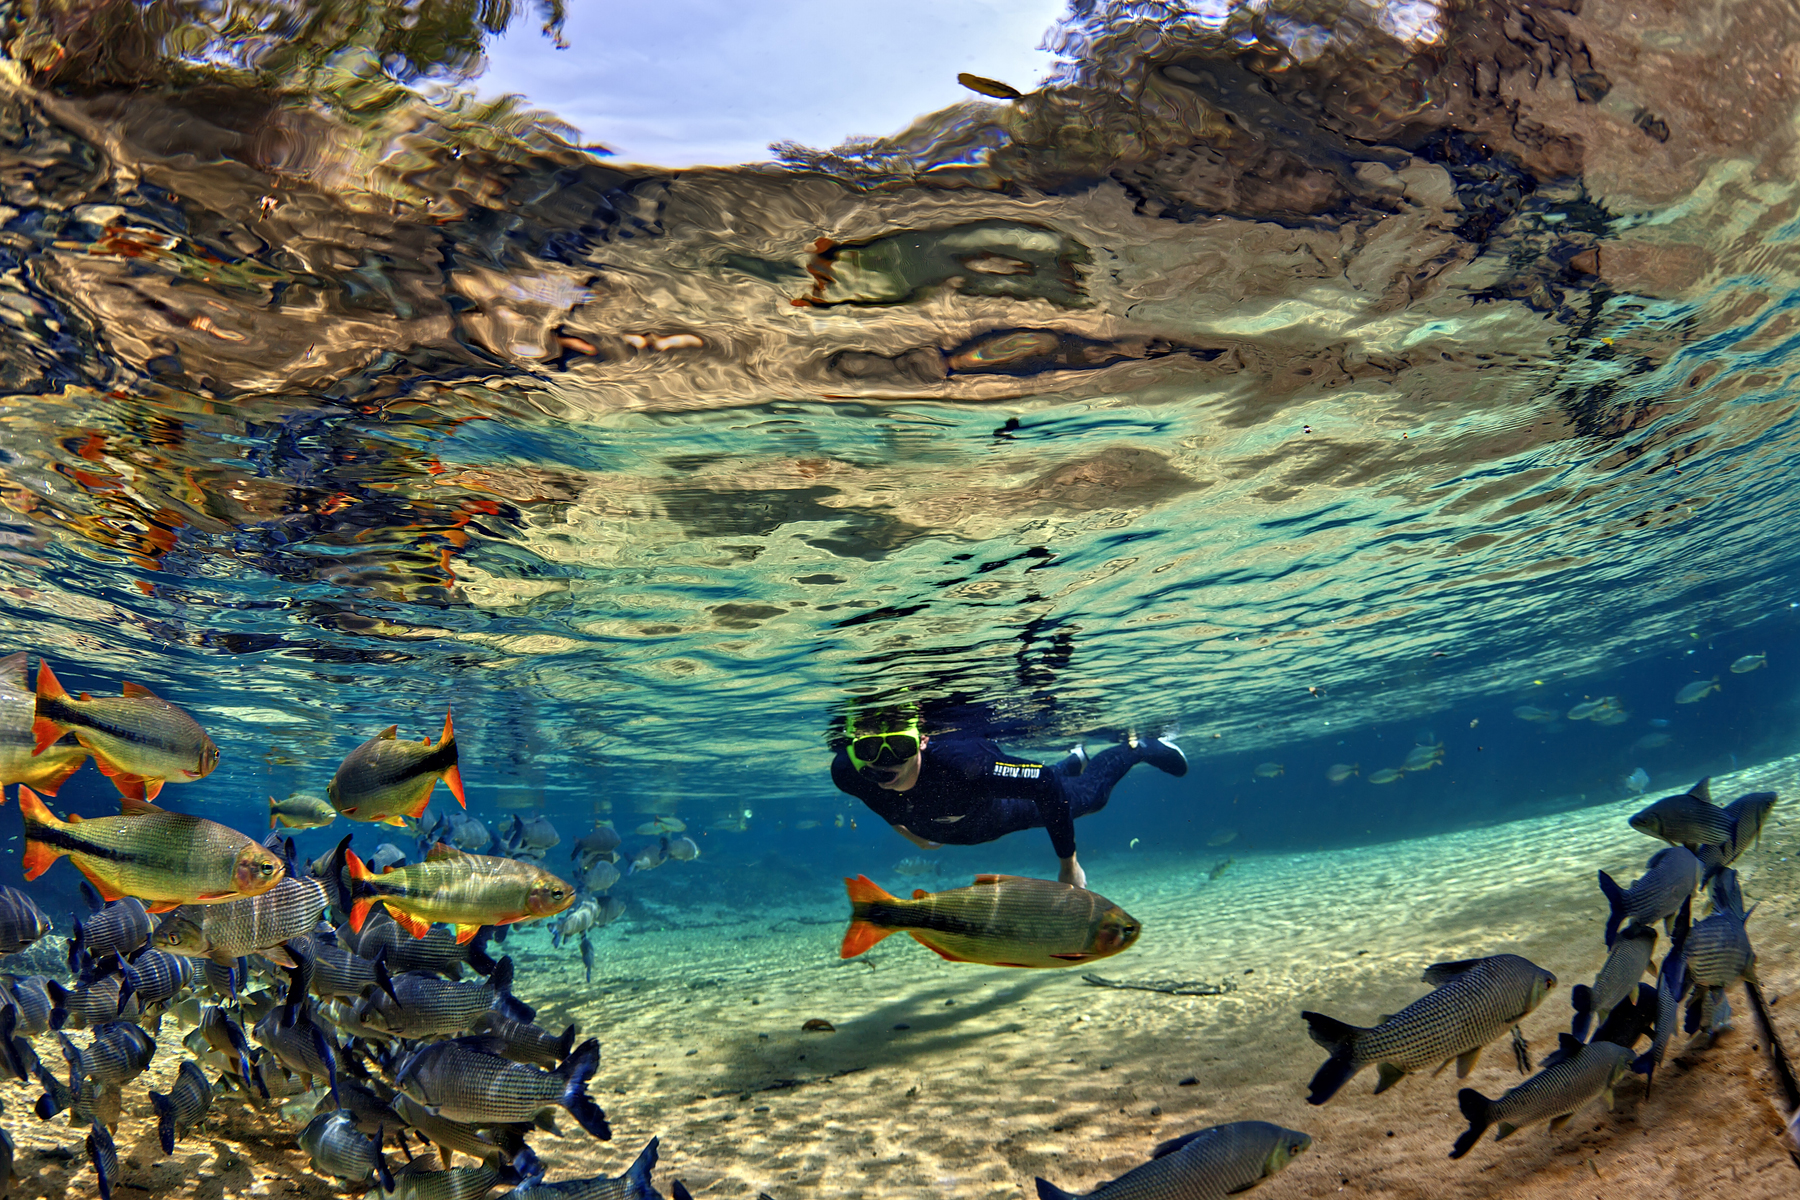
301, 1045
337, 1149
301, 812
683, 849
418, 1005
438, 951
118, 927
1748, 814
261, 924
20, 761
421, 1180
1000, 920
1690, 819
1475, 1001
1617, 980
1629, 1023
386, 779
1718, 950
650, 857
601, 840
1669, 878
182, 1108
1209, 1164
1587, 1072
464, 890
139, 740
634, 1184
601, 876
22, 922
105, 1159
154, 977
163, 858
461, 1081
525, 1042
492, 1146
1671, 986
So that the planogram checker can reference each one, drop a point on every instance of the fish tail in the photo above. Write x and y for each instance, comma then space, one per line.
1477, 1109
565, 1043
1339, 1039
360, 901
1615, 897
637, 1176
580, 1068
453, 776
1049, 1191
9, 1045
44, 731
679, 1190
39, 855
1581, 998
105, 1157
271, 812
478, 957
52, 782
862, 933
165, 1121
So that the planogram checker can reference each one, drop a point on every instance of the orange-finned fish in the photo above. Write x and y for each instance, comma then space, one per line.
386, 779
138, 740
1002, 920
464, 890
18, 762
164, 859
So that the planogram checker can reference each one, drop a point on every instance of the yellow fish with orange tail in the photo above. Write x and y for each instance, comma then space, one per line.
464, 890
386, 779
18, 708
1002, 920
139, 740
164, 859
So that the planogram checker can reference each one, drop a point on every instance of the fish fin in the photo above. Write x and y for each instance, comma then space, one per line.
1049, 1191
1609, 1099
864, 890
985, 880
920, 893
1477, 1110
44, 733
103, 764
136, 806
38, 855
271, 812
1336, 1036
1506, 1130
939, 950
359, 873
132, 787
466, 934
1703, 789
1438, 974
137, 689
442, 850
49, 687
1465, 1062
417, 926
1176, 1143
50, 783
859, 937
391, 733
453, 781
107, 891
1390, 1075
399, 820
1074, 958
163, 906
1615, 899
1581, 999
13, 666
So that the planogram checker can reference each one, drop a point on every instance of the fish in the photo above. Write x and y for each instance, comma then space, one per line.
1670, 877
420, 1180
1671, 987
183, 1106
1690, 819
1652, 741
386, 855
650, 857
117, 1053
807, 823
1423, 758
600, 877
1637, 781
500, 1144
386, 779
1748, 813
438, 951
1269, 770
683, 849
1475, 1000
105, 1159
1208, 1164
1219, 868
22, 922
1527, 712
587, 957
1718, 952
578, 919
464, 890
1222, 837
300, 811
338, 1149
602, 839
525, 1042
138, 740
1625, 964
163, 858
536, 834
300, 1044
917, 866
1338, 772
1588, 709
417, 1004
740, 824
1000, 920
260, 924
1748, 663
661, 825
153, 977
634, 1184
226, 1037
1553, 1094
1386, 775
468, 833
462, 1080
30, 998
118, 927
1698, 690
20, 759
1611, 716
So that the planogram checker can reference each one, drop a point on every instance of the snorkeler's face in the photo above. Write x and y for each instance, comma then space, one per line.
879, 754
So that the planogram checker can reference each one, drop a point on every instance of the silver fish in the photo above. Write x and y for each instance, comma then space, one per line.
248, 925
1210, 1164
525, 1042
186, 1103
461, 1082
338, 1149
1669, 878
420, 1004
484, 1145
634, 1184
1748, 663
1718, 950
602, 840
683, 849
650, 857
1625, 965
1671, 986
1475, 1001
601, 876
418, 1181
1748, 814
1690, 819
300, 811
1553, 1094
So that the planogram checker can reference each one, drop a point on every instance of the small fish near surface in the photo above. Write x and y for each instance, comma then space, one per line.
139, 740
1387, 775
163, 858
1699, 690
1209, 1164
1690, 819
1475, 1001
1586, 1073
1000, 920
301, 811
464, 890
1338, 772
20, 759
1269, 770
1669, 878
1748, 663
386, 779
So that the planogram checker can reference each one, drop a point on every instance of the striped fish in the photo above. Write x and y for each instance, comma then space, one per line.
1671, 985
1208, 1164
525, 1042
116, 928
22, 922
163, 858
1669, 878
634, 1184
1000, 920
20, 760
459, 1081
260, 924
185, 1104
1587, 1072
1476, 1000
118, 1052
1748, 814
491, 1146
1690, 819
139, 740
1625, 965
464, 890
417, 1005
300, 1045
105, 1158
154, 977
338, 1149
387, 780
438, 951
416, 1181
1718, 953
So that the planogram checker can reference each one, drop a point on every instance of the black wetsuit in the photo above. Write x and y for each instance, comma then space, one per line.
971, 791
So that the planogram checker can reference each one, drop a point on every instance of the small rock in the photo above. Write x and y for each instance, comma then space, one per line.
690, 1053
902, 1025
1156, 1110
949, 1003
1190, 1081
760, 1108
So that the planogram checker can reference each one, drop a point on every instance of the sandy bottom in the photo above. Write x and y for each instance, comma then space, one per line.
951, 1080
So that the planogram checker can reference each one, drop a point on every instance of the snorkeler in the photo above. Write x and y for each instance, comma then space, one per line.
962, 790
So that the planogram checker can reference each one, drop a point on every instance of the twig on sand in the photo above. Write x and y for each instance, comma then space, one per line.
1168, 987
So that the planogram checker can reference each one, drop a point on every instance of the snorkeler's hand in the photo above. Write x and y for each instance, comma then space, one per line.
1072, 873
916, 840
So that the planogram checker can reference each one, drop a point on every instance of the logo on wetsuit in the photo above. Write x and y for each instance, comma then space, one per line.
1017, 770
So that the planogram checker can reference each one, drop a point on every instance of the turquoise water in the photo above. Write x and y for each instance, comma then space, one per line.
1308, 383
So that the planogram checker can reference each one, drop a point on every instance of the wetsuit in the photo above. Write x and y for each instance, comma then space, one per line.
971, 791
